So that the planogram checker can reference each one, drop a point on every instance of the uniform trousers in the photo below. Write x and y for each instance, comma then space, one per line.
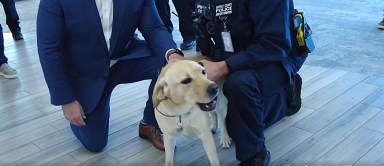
256, 100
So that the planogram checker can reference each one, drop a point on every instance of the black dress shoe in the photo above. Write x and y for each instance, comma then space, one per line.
187, 44
294, 95
17, 36
258, 161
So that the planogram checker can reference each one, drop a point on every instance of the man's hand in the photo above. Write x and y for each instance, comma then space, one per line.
74, 113
175, 57
215, 70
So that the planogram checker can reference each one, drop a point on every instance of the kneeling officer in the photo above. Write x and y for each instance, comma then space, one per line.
250, 43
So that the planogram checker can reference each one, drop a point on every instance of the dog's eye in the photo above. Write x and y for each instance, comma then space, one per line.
186, 81
203, 72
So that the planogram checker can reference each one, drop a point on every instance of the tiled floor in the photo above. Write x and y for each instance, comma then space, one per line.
340, 123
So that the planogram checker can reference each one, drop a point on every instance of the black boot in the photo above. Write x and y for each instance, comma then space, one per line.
17, 35
258, 160
294, 95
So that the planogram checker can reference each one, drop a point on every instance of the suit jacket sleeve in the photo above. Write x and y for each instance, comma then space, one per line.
50, 42
158, 38
271, 35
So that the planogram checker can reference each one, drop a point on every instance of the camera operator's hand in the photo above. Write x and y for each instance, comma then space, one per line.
215, 70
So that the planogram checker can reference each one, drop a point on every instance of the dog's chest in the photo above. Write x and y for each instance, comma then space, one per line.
186, 124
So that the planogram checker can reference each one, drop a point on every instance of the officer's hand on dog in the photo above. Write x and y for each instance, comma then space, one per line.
175, 57
74, 113
215, 70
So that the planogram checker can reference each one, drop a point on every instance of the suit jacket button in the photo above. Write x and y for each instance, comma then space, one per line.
104, 77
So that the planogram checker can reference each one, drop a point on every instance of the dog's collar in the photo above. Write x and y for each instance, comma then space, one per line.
179, 123
166, 114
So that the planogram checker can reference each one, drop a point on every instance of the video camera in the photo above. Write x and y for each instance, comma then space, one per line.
204, 28
203, 21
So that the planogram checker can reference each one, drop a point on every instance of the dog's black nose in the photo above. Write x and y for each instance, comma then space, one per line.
213, 89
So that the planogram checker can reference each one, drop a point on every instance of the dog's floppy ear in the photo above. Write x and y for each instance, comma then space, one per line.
158, 92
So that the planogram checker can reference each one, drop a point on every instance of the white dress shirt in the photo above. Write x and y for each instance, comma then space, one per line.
105, 8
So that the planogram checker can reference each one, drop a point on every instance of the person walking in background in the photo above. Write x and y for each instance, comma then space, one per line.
5, 70
164, 10
12, 19
185, 9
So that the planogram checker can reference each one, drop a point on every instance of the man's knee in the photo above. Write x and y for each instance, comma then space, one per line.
94, 142
95, 145
237, 85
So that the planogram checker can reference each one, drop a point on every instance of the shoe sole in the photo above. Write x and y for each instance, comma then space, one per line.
16, 39
8, 76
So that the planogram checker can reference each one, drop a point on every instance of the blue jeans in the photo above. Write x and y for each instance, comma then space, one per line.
3, 58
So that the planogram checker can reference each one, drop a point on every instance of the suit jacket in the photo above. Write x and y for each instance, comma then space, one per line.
72, 48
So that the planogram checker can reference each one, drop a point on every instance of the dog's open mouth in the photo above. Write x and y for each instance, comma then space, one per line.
208, 106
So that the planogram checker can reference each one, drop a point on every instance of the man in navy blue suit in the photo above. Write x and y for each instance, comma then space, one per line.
86, 48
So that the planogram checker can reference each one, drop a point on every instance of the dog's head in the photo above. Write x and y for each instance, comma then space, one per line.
185, 82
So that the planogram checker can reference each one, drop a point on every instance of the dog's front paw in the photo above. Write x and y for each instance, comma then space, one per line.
225, 141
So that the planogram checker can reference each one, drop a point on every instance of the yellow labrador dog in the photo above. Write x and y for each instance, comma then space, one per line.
183, 98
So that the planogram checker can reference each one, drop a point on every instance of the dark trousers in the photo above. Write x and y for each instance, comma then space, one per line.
94, 135
3, 58
12, 18
256, 100
184, 9
164, 11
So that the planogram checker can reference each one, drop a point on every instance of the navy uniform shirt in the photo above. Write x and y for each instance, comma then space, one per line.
260, 32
